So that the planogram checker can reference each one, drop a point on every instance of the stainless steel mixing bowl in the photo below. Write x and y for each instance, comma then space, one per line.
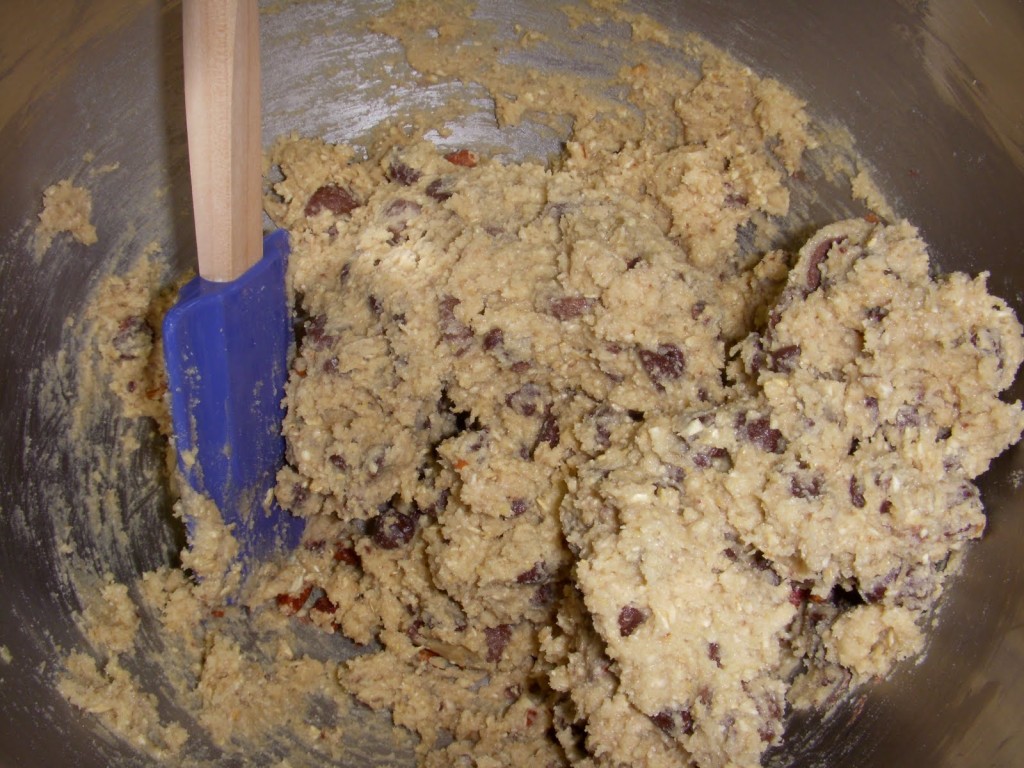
930, 89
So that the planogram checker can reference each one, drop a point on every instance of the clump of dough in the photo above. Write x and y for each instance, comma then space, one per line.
583, 465
102, 685
117, 698
66, 208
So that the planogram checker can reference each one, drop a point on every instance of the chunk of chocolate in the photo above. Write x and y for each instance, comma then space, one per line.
569, 307
497, 638
630, 617
391, 529
403, 174
665, 363
331, 197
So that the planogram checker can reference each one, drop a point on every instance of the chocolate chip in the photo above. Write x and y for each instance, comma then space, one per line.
630, 617
497, 638
440, 504
439, 189
331, 197
763, 564
856, 493
604, 421
413, 631
663, 720
538, 574
678, 722
698, 309
803, 487
715, 654
711, 456
316, 334
526, 400
759, 561
544, 595
493, 338
400, 208
819, 255
569, 307
549, 431
878, 590
402, 174
662, 364
907, 416
760, 432
758, 358
482, 436
871, 403
453, 330
785, 359
399, 213
519, 506
989, 342
876, 314
391, 529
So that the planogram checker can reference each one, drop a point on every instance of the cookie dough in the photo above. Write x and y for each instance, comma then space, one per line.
591, 467
806, 526
604, 460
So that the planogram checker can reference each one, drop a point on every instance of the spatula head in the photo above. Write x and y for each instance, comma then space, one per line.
226, 346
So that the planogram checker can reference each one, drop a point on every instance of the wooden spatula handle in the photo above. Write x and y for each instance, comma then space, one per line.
222, 108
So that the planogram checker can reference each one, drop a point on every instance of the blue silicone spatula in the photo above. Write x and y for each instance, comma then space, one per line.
226, 340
